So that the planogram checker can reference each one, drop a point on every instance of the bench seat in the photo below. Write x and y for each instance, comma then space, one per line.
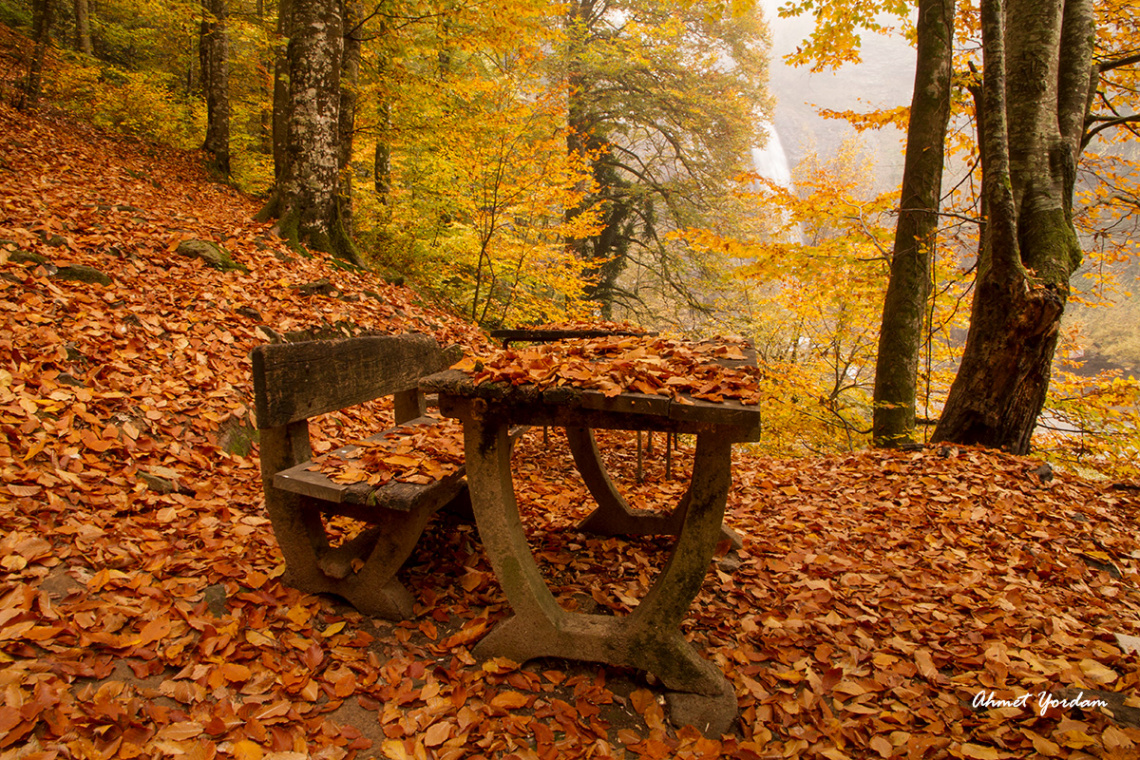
303, 479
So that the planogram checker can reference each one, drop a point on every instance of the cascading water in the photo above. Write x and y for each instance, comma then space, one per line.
770, 162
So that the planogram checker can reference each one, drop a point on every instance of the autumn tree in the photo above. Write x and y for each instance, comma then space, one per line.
1048, 88
281, 101
83, 27
213, 48
42, 15
306, 200
805, 286
664, 103
346, 120
473, 177
1032, 108
908, 288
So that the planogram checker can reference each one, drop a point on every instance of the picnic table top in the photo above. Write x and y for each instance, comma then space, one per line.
567, 404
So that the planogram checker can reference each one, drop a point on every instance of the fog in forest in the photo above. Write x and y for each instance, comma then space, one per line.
884, 79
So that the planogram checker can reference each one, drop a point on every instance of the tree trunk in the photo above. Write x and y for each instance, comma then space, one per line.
281, 103
1033, 104
265, 80
605, 253
382, 158
41, 35
908, 289
382, 161
213, 49
83, 27
349, 75
305, 200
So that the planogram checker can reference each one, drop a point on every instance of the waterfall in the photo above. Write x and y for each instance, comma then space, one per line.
770, 162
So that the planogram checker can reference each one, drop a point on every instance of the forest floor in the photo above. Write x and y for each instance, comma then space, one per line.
881, 605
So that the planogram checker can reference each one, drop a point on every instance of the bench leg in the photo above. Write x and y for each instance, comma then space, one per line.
362, 570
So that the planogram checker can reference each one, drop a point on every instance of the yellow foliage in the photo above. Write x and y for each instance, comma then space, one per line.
143, 103
1091, 422
482, 178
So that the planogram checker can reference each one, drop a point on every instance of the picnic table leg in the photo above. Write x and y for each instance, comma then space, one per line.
649, 638
614, 516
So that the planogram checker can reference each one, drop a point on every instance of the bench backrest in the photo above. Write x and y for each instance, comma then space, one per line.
297, 381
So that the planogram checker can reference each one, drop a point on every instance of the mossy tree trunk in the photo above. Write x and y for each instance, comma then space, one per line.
908, 289
306, 200
1032, 107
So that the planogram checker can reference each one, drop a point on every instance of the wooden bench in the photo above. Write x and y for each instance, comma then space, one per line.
295, 382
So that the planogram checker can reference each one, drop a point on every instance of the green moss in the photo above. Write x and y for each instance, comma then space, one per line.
82, 273
27, 257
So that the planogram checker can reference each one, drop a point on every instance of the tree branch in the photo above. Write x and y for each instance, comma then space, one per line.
1127, 60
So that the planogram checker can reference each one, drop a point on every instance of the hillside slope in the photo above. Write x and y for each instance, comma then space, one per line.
877, 594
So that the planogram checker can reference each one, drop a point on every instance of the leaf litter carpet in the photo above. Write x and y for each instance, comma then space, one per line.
942, 603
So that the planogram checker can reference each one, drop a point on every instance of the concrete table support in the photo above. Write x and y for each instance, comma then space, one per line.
649, 638
614, 516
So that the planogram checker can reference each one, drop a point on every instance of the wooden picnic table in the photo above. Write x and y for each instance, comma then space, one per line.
649, 638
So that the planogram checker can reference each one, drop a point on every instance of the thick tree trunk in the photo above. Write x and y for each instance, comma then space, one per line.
305, 200
1029, 247
83, 27
213, 48
32, 87
908, 290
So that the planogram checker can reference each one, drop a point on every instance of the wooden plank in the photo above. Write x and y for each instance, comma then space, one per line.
301, 479
402, 497
729, 413
626, 403
296, 381
549, 336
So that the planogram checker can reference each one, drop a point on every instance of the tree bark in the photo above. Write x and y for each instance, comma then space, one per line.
908, 289
382, 158
1031, 119
349, 76
213, 49
41, 35
605, 253
265, 82
83, 27
281, 103
305, 201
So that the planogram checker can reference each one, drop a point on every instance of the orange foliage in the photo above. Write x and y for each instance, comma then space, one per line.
875, 597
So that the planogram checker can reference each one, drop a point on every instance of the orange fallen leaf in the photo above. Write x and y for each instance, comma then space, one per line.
437, 734
510, 700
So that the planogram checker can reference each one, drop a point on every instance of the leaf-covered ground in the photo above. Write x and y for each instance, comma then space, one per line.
876, 597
